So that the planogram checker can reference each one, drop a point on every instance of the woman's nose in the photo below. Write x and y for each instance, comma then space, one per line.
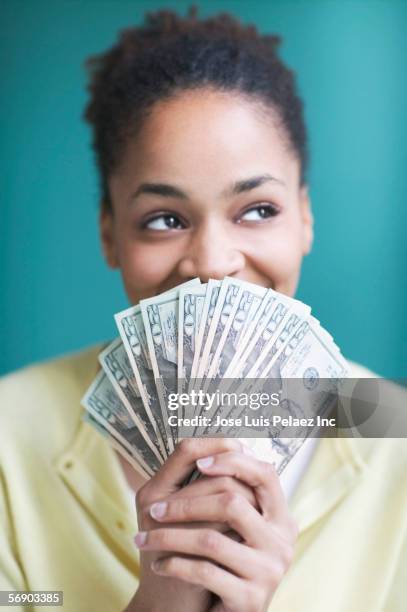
211, 253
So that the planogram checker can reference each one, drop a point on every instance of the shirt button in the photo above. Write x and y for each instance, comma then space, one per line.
120, 525
68, 465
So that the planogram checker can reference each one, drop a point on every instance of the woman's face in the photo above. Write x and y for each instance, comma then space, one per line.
209, 188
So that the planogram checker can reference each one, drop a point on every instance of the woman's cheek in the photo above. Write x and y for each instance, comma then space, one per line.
145, 268
287, 271
279, 259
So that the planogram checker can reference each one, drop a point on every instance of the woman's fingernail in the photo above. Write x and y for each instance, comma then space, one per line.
158, 510
156, 566
205, 462
140, 539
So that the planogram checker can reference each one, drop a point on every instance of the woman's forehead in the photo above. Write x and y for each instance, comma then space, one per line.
209, 134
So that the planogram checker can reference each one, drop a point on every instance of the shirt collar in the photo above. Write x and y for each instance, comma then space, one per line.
335, 468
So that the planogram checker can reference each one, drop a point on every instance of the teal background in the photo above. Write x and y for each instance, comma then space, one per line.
56, 295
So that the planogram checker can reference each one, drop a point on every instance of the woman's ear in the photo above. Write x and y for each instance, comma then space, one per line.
107, 236
307, 220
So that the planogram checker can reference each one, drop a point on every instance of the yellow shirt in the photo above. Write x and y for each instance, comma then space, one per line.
67, 522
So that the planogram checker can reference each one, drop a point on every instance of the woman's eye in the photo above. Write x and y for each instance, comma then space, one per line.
259, 213
164, 222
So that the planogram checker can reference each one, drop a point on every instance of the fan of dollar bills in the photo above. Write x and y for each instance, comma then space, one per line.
159, 380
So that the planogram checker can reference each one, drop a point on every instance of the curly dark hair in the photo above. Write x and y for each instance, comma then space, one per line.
168, 54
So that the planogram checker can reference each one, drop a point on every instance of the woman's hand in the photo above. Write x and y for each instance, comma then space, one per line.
245, 574
169, 593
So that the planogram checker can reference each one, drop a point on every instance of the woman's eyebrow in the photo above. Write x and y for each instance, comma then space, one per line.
161, 189
170, 191
250, 183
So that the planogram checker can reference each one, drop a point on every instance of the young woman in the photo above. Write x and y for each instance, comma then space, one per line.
202, 152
